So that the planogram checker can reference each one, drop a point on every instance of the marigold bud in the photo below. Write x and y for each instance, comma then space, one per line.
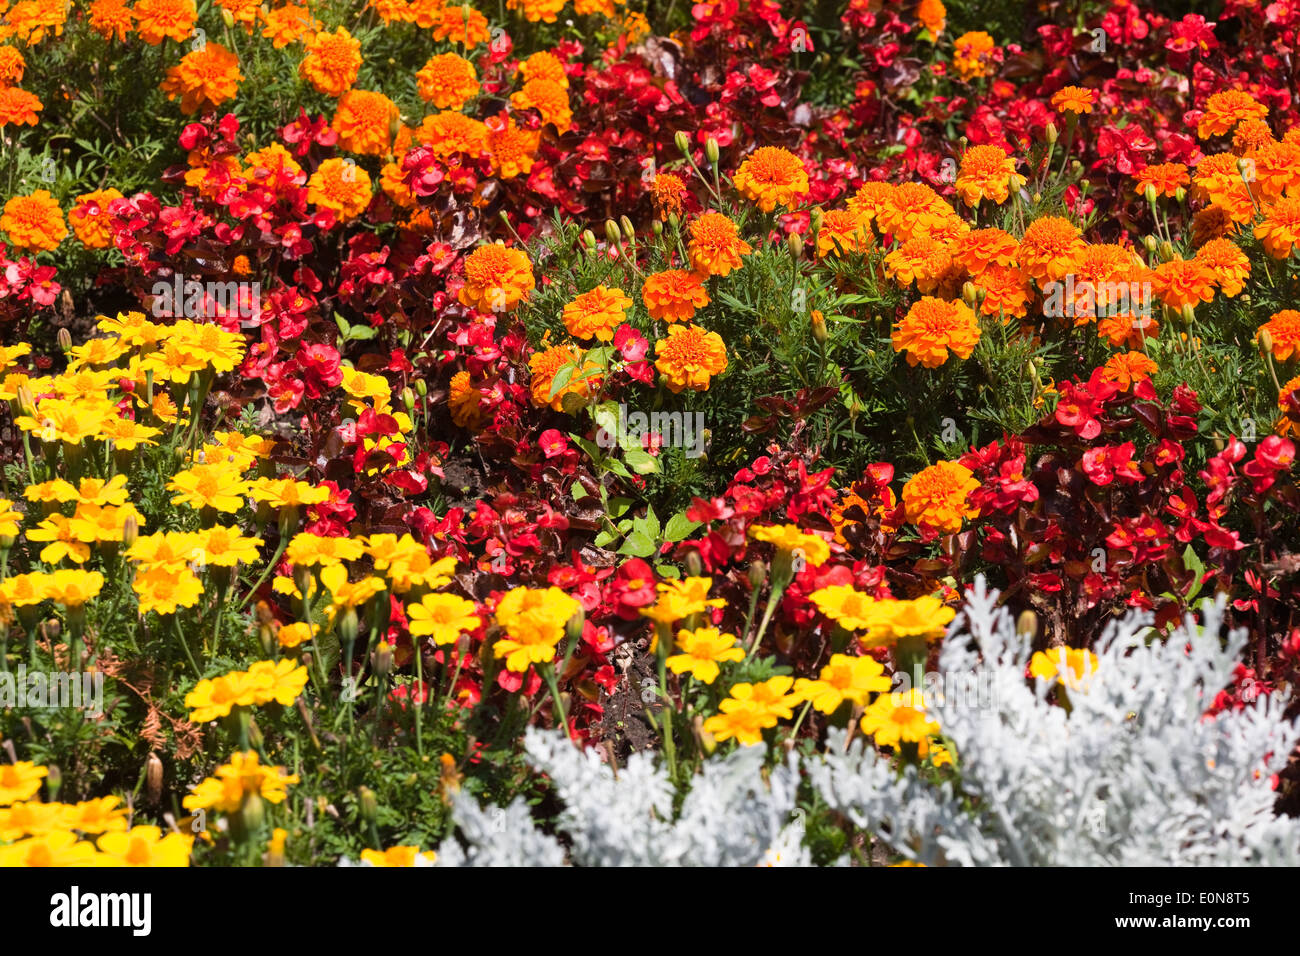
1150, 194
968, 292
683, 143
1180, 194
1266, 341
65, 340
1150, 243
626, 225
227, 17
153, 779
819, 330
795, 242
1052, 132
694, 565
368, 804
589, 239
383, 659
711, 151
1166, 250
757, 573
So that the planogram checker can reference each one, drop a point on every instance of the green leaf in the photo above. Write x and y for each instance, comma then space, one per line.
679, 527
604, 538
650, 523
618, 506
562, 377
642, 462
638, 545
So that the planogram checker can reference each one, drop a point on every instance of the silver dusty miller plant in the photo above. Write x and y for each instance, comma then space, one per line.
1130, 773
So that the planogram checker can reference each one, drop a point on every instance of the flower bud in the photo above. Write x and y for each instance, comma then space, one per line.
674, 222
383, 659
757, 573
1166, 250
255, 736
1052, 133
227, 17
683, 143
421, 388
65, 340
694, 566
611, 231
1149, 243
1180, 194
815, 219
1150, 194
408, 399
130, 530
819, 330
711, 151
626, 225
968, 293
153, 779
1188, 314
657, 228
348, 625
589, 239
54, 779
1266, 341
795, 242
26, 403
573, 627
251, 813
368, 804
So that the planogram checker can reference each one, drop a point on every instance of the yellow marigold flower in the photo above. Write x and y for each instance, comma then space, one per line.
1072, 666
60, 848
680, 599
287, 492
987, 172
789, 539
10, 520
398, 856
277, 682
333, 61
463, 399
549, 99
537, 11
226, 547
511, 149
689, 357
1279, 231
166, 550
448, 81
242, 776
772, 176
65, 540
217, 696
544, 65
18, 107
32, 818
497, 278
926, 617
204, 79
146, 846
20, 781
443, 617
936, 496
933, 16
340, 185
743, 719
701, 651
345, 593
363, 121
1127, 368
846, 606
1181, 282
165, 19
843, 678
715, 247
71, 588
104, 522
312, 549
933, 328
100, 351
215, 486
1227, 108
894, 719
596, 313
22, 590
1049, 248
288, 24
291, 635
1165, 178
674, 295
34, 222
163, 590
772, 695
111, 19
1074, 99
534, 621
972, 54
668, 193
1283, 328
544, 366
843, 231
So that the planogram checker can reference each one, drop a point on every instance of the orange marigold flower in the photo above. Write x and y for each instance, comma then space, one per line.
1097, 273
364, 121
394, 186
933, 16
537, 11
771, 177
596, 313
274, 168
545, 365
1166, 178
544, 66
333, 61
31, 20
667, 191
716, 247
973, 54
1280, 229
18, 107
340, 185
1230, 266
12, 66
394, 11
935, 498
987, 172
689, 357
111, 18
921, 260
204, 78
1277, 169
1006, 292
448, 133
288, 24
871, 199
1284, 329
159, 20
1181, 282
1074, 99
932, 328
979, 249
1226, 109
585, 8
1128, 331
511, 148
1049, 247
843, 231
1212, 222
673, 295
912, 209
549, 99
1126, 368
34, 222
89, 217
448, 81
463, 399
1250, 135
497, 278
244, 12
451, 24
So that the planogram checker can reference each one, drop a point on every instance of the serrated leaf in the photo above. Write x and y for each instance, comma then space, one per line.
679, 527
562, 376
638, 545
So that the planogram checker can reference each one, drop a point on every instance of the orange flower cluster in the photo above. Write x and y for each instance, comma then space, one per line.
364, 121
332, 63
935, 498
596, 313
771, 177
448, 81
34, 222
933, 328
688, 357
497, 278
204, 78
674, 295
